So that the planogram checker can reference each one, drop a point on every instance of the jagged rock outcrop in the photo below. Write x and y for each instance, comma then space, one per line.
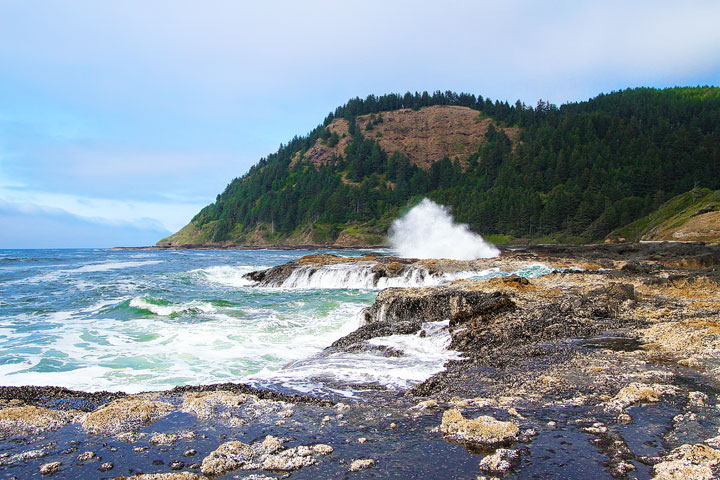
398, 311
483, 431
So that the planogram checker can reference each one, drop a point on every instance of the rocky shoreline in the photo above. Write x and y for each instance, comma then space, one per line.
605, 367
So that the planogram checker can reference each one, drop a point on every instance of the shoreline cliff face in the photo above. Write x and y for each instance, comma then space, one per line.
606, 370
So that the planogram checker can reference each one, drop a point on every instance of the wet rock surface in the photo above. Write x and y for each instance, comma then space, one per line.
609, 370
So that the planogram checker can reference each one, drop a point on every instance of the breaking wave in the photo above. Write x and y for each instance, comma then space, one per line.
363, 276
429, 231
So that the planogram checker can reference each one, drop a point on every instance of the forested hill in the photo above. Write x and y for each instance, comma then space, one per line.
569, 173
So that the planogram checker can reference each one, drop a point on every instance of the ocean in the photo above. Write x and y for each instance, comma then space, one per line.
146, 320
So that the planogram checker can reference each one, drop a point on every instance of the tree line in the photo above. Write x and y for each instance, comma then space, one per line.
579, 170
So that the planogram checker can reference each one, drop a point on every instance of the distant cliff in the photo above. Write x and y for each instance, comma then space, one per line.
570, 173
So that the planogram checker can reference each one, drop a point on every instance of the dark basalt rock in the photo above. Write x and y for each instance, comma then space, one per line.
455, 302
380, 350
374, 330
402, 311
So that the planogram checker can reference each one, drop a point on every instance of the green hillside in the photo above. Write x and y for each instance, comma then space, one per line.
694, 215
570, 173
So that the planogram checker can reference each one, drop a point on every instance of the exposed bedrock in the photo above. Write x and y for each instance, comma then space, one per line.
382, 266
376, 267
404, 310
640, 258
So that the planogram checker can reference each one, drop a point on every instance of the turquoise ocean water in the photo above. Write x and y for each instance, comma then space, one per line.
143, 320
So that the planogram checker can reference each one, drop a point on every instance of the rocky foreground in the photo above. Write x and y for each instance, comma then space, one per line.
606, 367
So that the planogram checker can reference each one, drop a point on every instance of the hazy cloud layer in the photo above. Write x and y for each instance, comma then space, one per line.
165, 102
32, 226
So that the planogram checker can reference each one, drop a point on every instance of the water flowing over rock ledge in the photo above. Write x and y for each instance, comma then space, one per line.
606, 370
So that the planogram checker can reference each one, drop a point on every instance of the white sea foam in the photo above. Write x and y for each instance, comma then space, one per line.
429, 231
170, 309
55, 275
361, 276
226, 275
138, 354
421, 358
354, 276
220, 331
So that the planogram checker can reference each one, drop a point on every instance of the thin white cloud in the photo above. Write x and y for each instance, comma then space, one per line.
170, 215
36, 226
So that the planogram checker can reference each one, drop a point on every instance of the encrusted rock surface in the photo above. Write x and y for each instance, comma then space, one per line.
208, 404
361, 464
30, 419
267, 455
639, 392
165, 476
483, 430
500, 462
688, 462
124, 414
228, 457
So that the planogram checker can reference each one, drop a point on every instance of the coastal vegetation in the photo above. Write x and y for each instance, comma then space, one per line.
573, 173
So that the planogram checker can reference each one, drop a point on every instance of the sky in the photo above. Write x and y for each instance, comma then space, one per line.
119, 120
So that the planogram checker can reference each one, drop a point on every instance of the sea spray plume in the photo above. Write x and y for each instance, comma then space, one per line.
428, 231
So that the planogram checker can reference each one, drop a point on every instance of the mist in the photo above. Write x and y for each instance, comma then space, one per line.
429, 231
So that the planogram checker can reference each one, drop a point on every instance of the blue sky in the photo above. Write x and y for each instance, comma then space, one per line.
119, 120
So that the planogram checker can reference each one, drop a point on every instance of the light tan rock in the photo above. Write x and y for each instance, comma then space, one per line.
688, 461
361, 464
484, 430
86, 456
698, 399
166, 476
124, 415
624, 419
322, 449
227, 457
29, 420
205, 405
50, 468
131, 437
164, 438
424, 405
681, 470
269, 445
23, 457
639, 393
499, 462
287, 461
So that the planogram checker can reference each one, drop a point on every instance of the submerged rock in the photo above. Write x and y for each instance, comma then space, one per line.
484, 430
124, 414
